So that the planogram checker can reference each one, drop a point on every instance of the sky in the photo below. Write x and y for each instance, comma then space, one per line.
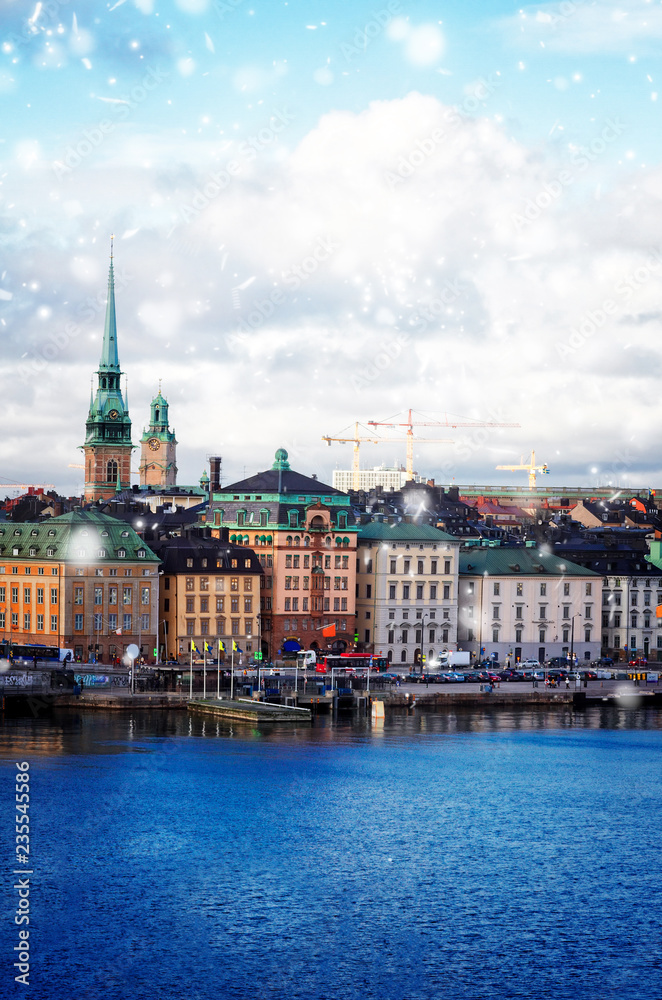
327, 213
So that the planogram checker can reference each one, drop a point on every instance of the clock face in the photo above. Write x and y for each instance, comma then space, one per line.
154, 444
113, 414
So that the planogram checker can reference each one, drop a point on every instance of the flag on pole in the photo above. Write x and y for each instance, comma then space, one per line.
194, 648
207, 647
118, 631
221, 646
658, 611
329, 630
236, 648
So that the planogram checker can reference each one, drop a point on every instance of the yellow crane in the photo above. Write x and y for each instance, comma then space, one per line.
453, 423
357, 440
529, 467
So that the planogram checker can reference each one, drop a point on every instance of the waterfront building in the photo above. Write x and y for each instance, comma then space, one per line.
158, 447
304, 535
407, 591
525, 603
369, 479
108, 447
83, 581
210, 590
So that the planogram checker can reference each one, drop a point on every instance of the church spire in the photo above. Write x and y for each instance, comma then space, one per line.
109, 356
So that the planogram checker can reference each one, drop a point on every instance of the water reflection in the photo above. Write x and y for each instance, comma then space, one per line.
143, 732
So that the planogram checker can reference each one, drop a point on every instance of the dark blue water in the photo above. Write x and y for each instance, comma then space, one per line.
470, 856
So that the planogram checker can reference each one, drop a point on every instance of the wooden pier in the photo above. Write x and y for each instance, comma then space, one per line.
248, 710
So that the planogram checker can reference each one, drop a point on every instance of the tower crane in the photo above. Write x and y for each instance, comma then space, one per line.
530, 467
453, 423
357, 440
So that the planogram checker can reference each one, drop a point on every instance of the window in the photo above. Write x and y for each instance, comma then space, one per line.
3, 595
144, 622
204, 625
518, 635
566, 635
634, 598
40, 595
495, 635
543, 612
190, 584
248, 626
234, 604
433, 591
204, 605
26, 621
497, 589
519, 611
541, 635
566, 590
588, 611
126, 623
295, 582
53, 595
27, 595
190, 628
53, 623
248, 604
519, 589
419, 567
235, 626
288, 583
127, 595
496, 611
78, 595
566, 610
343, 604
14, 619
97, 622
447, 591
407, 565
220, 604
647, 598
368, 590
204, 583
617, 622
78, 623
587, 589
144, 595
447, 567
587, 635
112, 595
405, 635
234, 583
112, 622
295, 604
393, 568
633, 620
405, 591
433, 567
121, 553
543, 592
98, 595
419, 591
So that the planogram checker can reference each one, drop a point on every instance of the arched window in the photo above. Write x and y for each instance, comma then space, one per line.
345, 542
245, 539
264, 518
111, 471
403, 656
306, 542
338, 542
241, 514
389, 656
342, 520
288, 540
294, 518
297, 541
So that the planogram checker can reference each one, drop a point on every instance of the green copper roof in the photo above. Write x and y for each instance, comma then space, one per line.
82, 536
403, 532
514, 561
281, 460
109, 356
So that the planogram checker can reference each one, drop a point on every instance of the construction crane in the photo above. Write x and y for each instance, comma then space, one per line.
357, 441
410, 424
530, 467
27, 486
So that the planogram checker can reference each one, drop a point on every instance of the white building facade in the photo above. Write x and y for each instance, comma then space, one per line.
407, 591
520, 603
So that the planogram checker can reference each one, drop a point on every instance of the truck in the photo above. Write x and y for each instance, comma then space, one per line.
454, 660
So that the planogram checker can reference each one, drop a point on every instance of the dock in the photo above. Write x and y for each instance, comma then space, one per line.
249, 710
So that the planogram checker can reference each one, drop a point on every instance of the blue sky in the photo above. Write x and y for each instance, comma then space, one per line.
327, 212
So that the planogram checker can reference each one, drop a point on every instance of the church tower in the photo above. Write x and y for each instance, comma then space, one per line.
108, 447
158, 447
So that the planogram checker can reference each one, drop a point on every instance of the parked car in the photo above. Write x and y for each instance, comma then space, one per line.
639, 662
559, 661
509, 675
530, 664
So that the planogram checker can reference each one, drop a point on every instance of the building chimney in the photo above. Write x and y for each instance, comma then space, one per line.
215, 473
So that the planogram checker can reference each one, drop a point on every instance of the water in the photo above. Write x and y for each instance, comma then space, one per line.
457, 856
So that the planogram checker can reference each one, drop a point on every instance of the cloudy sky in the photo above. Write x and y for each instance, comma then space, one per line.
327, 212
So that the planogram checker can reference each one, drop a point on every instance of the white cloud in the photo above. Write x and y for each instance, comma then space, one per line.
390, 270
580, 26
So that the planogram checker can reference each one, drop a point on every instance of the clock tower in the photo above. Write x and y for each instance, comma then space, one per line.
108, 447
157, 447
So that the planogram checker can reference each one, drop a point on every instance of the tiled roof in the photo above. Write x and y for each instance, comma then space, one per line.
517, 561
403, 532
78, 536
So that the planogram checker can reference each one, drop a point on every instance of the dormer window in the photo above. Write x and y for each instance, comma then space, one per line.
50, 552
141, 553
125, 534
101, 554
121, 553
33, 552
34, 532
17, 531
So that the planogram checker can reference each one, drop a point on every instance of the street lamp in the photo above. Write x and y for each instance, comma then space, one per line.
578, 614
416, 624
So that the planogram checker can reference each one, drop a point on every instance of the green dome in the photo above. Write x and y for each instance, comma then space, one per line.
281, 460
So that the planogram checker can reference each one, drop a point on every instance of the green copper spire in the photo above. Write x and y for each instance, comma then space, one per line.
109, 356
